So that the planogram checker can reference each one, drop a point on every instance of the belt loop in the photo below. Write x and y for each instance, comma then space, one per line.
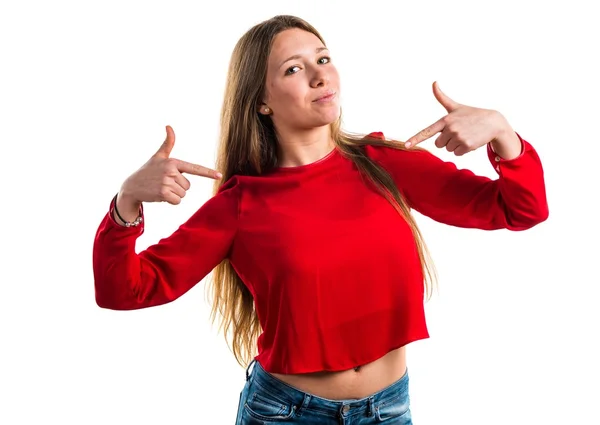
370, 407
248, 368
304, 405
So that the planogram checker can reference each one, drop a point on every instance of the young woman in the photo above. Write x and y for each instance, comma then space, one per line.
318, 263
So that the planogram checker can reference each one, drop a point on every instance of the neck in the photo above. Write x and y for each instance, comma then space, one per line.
296, 148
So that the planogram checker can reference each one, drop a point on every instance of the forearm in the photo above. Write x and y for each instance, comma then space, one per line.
115, 265
521, 184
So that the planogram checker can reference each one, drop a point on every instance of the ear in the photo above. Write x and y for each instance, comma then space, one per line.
264, 109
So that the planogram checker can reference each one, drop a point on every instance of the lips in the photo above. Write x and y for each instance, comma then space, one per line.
325, 97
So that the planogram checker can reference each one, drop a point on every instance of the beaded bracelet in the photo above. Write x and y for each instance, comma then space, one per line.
133, 223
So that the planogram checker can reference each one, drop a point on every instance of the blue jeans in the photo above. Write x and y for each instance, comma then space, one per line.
266, 400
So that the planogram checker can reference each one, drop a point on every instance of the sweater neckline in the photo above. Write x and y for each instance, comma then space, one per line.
313, 166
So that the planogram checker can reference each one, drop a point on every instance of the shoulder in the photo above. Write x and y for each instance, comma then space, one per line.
391, 153
220, 212
227, 197
230, 186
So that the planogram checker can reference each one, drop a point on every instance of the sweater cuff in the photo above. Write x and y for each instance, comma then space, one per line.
115, 224
496, 160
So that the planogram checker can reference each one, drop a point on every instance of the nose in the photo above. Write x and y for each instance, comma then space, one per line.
319, 78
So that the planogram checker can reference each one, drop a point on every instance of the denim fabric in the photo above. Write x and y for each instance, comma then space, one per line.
266, 400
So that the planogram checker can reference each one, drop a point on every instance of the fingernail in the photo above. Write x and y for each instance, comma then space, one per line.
219, 175
407, 145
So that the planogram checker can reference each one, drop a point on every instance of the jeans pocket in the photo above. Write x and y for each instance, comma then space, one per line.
264, 407
396, 409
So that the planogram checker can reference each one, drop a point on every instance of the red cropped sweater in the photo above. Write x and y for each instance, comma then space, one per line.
332, 266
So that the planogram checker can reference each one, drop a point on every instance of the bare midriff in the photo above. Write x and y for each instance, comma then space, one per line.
356, 383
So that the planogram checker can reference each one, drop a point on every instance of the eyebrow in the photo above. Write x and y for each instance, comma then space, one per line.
317, 50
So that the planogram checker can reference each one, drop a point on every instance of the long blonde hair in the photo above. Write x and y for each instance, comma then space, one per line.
248, 146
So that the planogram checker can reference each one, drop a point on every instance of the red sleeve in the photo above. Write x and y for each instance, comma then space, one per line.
458, 197
125, 280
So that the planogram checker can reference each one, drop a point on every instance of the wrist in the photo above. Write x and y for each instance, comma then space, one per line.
126, 194
506, 144
127, 211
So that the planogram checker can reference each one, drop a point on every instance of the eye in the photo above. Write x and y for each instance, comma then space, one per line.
321, 61
290, 70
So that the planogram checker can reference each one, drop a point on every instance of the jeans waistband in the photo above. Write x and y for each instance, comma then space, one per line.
300, 398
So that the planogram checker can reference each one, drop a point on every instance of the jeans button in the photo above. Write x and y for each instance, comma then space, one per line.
345, 409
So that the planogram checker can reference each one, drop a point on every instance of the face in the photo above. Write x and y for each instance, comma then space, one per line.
302, 86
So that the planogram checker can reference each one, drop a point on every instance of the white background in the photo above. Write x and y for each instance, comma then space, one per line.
86, 90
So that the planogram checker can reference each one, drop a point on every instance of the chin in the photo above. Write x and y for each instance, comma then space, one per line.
328, 117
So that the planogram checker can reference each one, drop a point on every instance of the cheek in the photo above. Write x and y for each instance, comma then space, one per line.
334, 77
288, 94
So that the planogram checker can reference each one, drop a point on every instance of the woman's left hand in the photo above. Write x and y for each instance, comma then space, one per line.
466, 128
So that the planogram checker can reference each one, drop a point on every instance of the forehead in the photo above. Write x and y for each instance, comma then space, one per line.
293, 42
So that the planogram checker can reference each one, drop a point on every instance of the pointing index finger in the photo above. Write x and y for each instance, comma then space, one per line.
197, 170
426, 133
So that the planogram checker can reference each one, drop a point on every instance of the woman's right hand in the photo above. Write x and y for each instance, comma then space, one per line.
160, 179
